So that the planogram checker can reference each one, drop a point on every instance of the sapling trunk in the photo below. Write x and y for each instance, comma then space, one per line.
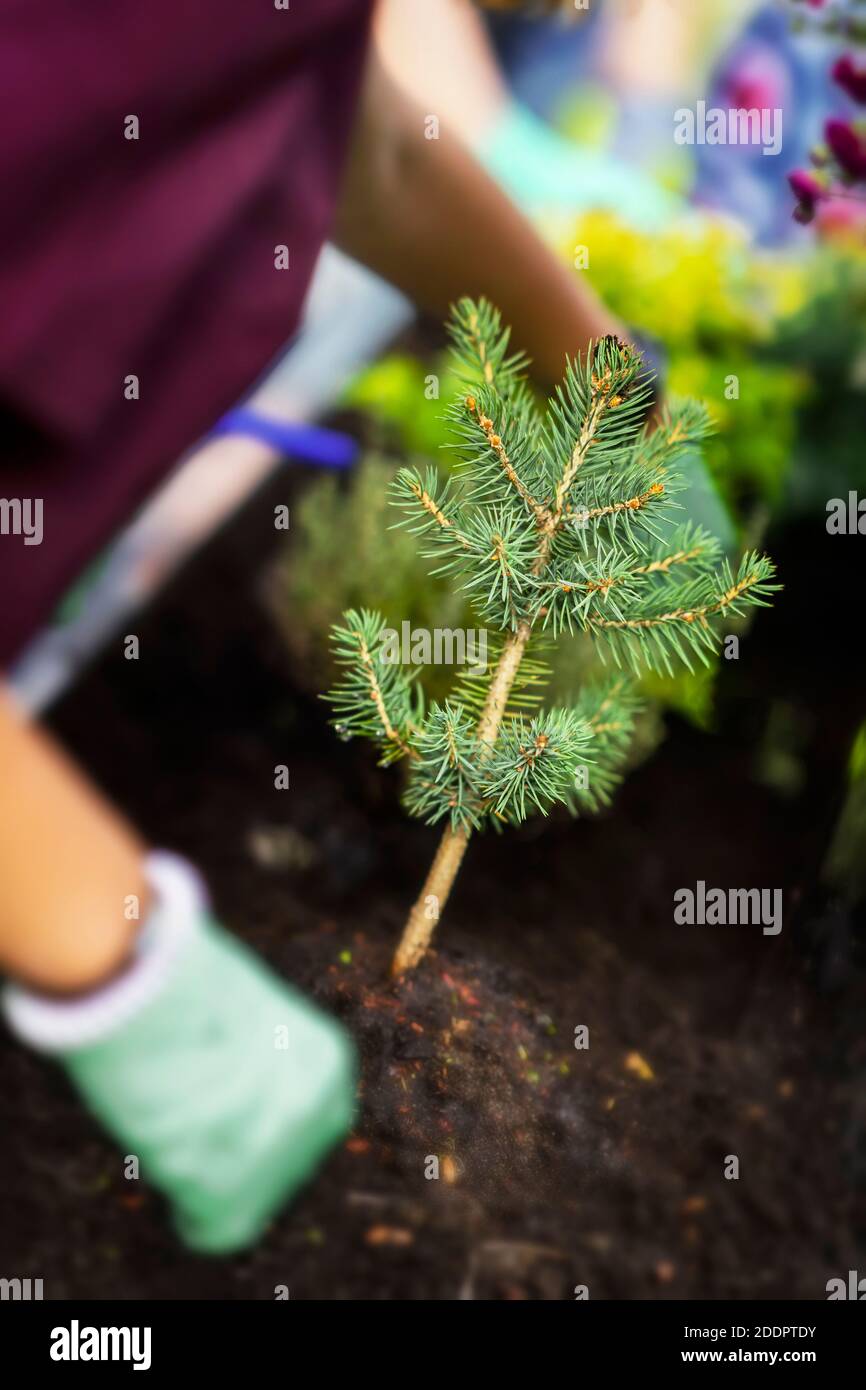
452, 847
430, 901
554, 525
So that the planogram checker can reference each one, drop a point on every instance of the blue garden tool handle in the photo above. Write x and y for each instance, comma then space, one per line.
307, 443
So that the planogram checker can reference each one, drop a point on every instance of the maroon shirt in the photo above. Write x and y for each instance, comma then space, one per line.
152, 257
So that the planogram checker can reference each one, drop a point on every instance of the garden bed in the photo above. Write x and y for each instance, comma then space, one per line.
558, 1167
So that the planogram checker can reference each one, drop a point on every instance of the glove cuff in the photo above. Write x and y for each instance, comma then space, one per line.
173, 922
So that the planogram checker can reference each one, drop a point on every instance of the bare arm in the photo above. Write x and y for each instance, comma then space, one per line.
68, 863
426, 216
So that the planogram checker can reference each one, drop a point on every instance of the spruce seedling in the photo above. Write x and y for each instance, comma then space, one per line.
552, 525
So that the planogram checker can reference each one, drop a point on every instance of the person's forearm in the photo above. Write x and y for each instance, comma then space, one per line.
425, 215
439, 53
70, 867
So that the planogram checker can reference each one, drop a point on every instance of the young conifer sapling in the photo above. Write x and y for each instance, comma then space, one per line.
553, 524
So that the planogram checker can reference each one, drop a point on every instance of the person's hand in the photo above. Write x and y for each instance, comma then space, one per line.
227, 1084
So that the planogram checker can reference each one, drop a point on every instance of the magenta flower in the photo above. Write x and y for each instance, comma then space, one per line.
806, 186
850, 77
757, 81
848, 147
808, 190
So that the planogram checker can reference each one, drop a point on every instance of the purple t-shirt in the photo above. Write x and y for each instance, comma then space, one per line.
153, 257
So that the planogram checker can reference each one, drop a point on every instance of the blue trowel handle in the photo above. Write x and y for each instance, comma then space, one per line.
306, 443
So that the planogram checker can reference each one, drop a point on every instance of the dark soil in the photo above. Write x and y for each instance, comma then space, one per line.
558, 1167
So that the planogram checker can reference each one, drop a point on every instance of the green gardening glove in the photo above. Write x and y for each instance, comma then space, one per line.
226, 1083
540, 169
